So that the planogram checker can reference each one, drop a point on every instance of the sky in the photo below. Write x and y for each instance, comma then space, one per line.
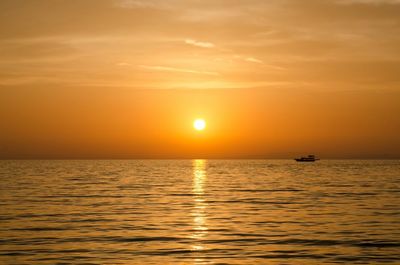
272, 79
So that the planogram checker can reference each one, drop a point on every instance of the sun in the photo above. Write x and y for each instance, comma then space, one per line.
199, 124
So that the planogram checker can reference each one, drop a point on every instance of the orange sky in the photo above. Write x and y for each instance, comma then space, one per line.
126, 78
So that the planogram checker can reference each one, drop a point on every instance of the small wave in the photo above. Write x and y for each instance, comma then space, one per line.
38, 229
147, 238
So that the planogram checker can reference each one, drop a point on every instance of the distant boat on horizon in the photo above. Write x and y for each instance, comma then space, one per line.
309, 158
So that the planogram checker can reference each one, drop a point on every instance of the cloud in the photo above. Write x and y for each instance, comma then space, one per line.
136, 4
123, 64
253, 60
374, 2
199, 43
179, 70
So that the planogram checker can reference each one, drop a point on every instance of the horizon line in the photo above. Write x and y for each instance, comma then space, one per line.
188, 158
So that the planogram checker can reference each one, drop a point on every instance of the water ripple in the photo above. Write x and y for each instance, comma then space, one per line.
199, 212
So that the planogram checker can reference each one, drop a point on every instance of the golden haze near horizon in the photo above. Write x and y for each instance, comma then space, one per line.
127, 78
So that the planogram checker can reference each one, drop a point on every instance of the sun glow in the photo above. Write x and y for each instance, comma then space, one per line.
199, 124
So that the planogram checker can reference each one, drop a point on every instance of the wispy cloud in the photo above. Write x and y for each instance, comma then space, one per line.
137, 4
258, 61
253, 60
374, 2
179, 70
199, 43
123, 64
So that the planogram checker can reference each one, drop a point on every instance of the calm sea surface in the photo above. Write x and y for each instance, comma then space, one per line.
199, 212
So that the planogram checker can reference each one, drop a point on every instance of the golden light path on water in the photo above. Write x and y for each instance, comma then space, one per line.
200, 206
146, 212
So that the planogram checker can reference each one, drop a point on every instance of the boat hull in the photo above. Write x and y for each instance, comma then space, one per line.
301, 160
309, 158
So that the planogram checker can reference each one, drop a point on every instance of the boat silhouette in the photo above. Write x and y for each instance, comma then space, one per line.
309, 158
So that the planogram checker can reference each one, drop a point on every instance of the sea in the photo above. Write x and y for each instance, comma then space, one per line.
200, 212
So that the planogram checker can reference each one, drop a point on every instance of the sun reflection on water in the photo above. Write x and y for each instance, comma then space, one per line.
200, 206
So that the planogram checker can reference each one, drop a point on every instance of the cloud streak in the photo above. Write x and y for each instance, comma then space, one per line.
373, 2
253, 60
199, 43
179, 70
137, 4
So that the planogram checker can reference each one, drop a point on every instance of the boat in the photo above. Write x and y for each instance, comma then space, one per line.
309, 158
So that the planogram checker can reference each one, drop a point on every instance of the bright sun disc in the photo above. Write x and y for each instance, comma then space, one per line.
199, 124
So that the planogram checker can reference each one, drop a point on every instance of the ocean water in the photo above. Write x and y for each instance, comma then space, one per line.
199, 212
